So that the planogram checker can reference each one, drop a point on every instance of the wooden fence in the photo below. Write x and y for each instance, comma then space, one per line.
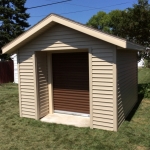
6, 71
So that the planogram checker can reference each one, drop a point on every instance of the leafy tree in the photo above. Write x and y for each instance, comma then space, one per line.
100, 21
136, 23
143, 3
13, 21
138, 29
132, 23
116, 21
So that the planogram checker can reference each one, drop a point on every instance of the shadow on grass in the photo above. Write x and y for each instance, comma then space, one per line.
140, 97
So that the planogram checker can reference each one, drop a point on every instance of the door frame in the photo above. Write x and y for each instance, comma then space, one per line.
50, 79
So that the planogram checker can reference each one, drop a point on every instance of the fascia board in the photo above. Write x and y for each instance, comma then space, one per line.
135, 46
23, 37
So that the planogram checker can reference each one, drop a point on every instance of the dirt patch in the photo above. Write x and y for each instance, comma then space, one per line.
141, 148
146, 101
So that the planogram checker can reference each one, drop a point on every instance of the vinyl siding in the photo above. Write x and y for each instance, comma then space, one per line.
127, 82
62, 38
26, 85
102, 58
102, 87
42, 77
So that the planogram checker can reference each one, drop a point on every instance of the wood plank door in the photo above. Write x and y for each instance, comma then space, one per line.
71, 82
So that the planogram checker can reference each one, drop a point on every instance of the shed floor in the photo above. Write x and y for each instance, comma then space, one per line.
78, 121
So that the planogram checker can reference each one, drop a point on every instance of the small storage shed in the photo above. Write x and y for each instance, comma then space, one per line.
65, 66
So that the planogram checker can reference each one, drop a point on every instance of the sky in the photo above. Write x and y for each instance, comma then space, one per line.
78, 10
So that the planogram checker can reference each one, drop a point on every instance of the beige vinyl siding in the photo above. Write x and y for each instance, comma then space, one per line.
102, 87
54, 19
42, 77
61, 38
26, 85
127, 82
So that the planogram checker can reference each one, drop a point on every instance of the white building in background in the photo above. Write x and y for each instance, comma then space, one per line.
14, 58
141, 63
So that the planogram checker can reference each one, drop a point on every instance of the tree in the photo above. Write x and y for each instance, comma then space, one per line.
138, 29
13, 21
116, 21
100, 21
143, 3
136, 23
131, 23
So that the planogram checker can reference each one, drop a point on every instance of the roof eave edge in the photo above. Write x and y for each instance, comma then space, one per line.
133, 46
100, 35
31, 31
10, 47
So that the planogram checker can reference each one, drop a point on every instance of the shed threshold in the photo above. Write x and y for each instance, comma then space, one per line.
78, 121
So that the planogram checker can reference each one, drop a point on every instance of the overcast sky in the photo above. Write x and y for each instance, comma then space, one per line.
86, 8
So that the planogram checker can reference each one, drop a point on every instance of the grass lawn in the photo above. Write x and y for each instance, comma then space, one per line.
144, 75
27, 134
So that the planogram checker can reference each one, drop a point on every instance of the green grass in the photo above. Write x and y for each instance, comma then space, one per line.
27, 134
144, 82
144, 75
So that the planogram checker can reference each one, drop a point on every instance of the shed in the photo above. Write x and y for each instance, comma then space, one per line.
67, 67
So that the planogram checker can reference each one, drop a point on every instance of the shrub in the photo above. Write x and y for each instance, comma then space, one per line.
144, 89
147, 63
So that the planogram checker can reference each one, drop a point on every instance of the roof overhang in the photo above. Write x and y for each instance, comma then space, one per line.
52, 19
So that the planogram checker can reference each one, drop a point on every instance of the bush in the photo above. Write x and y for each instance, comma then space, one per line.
144, 89
147, 63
